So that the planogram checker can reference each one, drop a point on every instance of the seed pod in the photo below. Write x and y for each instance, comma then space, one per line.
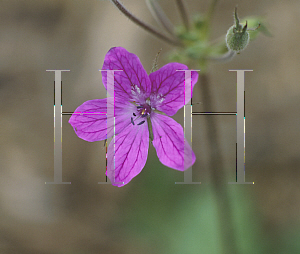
237, 37
237, 40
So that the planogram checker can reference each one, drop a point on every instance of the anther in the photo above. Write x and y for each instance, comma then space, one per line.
141, 123
134, 114
132, 120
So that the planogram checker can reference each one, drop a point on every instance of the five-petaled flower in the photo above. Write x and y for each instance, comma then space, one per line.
141, 102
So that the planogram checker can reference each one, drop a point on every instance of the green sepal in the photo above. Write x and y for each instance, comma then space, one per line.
254, 22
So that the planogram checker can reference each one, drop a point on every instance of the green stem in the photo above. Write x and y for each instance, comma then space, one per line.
160, 16
209, 16
150, 128
218, 175
140, 23
211, 10
183, 14
223, 58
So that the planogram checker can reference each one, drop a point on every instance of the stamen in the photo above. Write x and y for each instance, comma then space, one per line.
137, 89
134, 114
132, 120
141, 123
160, 98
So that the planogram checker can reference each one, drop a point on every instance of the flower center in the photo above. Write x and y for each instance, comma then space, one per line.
143, 111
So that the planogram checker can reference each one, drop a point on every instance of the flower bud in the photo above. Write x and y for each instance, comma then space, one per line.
237, 37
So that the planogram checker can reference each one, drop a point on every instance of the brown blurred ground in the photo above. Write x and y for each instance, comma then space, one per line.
40, 35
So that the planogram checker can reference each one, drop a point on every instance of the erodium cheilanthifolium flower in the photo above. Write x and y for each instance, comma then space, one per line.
142, 102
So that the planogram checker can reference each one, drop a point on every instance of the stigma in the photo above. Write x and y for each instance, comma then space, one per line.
142, 111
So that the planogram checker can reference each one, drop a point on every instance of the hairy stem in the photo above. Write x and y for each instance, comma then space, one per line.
218, 175
223, 58
155, 62
183, 14
140, 23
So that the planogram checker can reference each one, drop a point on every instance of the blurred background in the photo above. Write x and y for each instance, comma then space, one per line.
151, 214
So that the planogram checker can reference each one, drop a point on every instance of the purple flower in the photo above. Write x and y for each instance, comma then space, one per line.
142, 102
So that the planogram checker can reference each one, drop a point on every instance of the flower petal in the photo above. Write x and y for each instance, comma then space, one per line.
167, 92
132, 83
172, 149
90, 121
131, 151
